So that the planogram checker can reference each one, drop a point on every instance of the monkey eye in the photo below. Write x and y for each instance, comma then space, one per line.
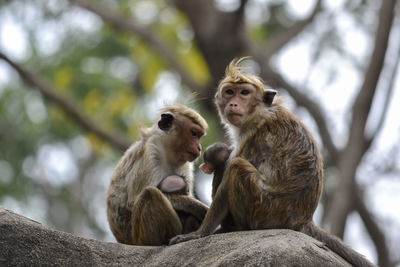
229, 92
244, 92
196, 133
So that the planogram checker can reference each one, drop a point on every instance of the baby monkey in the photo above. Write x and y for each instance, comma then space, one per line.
215, 158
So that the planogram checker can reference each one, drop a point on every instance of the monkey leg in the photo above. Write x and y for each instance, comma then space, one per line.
190, 211
189, 222
254, 204
189, 205
154, 221
214, 216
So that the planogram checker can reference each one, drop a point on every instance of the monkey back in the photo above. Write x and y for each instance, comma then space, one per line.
288, 159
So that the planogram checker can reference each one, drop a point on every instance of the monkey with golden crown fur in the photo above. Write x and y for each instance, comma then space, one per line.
273, 178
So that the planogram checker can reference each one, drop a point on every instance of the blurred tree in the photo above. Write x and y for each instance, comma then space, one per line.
94, 71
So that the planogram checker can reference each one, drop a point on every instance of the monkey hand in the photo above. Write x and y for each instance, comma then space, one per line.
183, 238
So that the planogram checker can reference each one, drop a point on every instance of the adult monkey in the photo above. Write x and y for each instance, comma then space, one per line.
149, 199
274, 176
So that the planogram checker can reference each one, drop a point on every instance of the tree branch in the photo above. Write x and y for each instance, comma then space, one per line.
275, 44
262, 56
389, 94
373, 229
68, 106
362, 104
124, 23
357, 143
220, 36
240, 12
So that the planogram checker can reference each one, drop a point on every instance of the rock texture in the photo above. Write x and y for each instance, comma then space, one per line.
24, 242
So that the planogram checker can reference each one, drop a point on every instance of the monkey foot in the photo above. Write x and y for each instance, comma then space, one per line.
183, 238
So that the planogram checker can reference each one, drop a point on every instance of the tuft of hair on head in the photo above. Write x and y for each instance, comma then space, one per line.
181, 109
187, 98
236, 73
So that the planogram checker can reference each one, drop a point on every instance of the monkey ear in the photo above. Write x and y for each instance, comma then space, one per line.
165, 122
268, 97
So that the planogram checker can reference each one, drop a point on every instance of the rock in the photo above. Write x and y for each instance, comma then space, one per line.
24, 242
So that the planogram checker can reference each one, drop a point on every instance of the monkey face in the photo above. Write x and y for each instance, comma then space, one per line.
236, 101
215, 157
192, 146
182, 137
185, 141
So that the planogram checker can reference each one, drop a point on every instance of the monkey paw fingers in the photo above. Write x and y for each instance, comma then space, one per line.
183, 238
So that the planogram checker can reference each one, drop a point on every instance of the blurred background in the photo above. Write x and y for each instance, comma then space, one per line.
79, 78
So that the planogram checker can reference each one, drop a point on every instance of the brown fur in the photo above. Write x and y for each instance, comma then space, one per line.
139, 213
274, 177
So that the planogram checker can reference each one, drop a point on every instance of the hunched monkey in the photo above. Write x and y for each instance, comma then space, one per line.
149, 199
274, 176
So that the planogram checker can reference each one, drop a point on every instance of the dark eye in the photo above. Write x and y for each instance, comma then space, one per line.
229, 92
194, 133
244, 92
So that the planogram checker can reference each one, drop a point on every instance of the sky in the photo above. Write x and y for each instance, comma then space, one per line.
296, 64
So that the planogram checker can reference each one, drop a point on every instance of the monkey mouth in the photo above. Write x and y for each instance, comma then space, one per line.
192, 155
234, 114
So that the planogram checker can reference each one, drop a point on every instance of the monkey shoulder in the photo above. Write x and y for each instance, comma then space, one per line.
276, 137
128, 174
131, 156
292, 144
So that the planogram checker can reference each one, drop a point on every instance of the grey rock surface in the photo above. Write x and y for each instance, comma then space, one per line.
24, 242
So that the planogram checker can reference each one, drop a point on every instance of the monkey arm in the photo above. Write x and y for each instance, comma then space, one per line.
217, 212
217, 179
188, 204
244, 168
285, 183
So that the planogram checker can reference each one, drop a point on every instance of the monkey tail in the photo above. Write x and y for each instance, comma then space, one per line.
336, 245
